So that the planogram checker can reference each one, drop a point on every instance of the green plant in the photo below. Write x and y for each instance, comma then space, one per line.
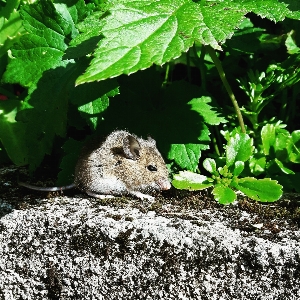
278, 153
225, 175
64, 67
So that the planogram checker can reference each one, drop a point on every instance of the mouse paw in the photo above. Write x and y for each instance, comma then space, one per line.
143, 196
99, 196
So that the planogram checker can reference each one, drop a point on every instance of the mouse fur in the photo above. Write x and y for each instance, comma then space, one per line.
123, 164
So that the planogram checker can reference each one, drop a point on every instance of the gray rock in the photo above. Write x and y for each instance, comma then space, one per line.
73, 248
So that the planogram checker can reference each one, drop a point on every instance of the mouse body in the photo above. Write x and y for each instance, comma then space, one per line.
123, 164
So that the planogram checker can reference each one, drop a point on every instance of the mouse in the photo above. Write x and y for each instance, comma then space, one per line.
122, 164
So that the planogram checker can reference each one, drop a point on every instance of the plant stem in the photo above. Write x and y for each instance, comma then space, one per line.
200, 65
219, 67
164, 84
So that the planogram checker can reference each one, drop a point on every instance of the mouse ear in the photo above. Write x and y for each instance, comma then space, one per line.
131, 147
151, 140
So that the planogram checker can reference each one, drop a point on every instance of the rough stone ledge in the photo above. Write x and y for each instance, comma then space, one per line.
75, 249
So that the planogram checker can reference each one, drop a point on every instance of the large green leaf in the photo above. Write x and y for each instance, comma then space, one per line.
50, 27
265, 190
141, 33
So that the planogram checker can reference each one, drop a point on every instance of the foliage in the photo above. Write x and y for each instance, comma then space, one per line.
64, 67
225, 175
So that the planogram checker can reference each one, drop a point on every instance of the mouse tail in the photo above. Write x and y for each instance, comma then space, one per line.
46, 189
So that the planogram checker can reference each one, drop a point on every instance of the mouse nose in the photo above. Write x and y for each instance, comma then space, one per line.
164, 183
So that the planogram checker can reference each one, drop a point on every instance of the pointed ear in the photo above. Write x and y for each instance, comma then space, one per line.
131, 147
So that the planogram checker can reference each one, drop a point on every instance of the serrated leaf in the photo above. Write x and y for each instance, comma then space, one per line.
223, 194
12, 133
206, 111
11, 29
49, 28
141, 33
239, 148
265, 190
270, 9
209, 164
187, 180
186, 155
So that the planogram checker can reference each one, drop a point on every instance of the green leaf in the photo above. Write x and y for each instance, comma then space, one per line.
265, 190
90, 105
141, 33
210, 165
190, 181
208, 113
47, 115
223, 194
238, 168
239, 148
283, 168
11, 27
257, 165
12, 133
294, 147
187, 155
50, 27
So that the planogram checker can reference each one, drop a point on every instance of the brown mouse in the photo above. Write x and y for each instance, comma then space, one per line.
123, 164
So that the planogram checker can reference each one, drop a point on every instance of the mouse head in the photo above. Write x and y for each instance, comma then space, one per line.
145, 165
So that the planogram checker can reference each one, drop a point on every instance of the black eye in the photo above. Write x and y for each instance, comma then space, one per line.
118, 163
151, 168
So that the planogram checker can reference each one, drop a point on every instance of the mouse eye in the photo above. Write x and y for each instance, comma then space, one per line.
151, 168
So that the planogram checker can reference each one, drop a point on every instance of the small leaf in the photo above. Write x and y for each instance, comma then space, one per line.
268, 138
239, 148
210, 165
223, 194
294, 147
187, 155
257, 165
265, 190
282, 167
206, 111
12, 133
238, 168
190, 181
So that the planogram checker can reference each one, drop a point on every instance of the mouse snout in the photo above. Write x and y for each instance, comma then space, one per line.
164, 184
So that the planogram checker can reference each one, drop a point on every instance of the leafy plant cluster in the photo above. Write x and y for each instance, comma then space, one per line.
214, 79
